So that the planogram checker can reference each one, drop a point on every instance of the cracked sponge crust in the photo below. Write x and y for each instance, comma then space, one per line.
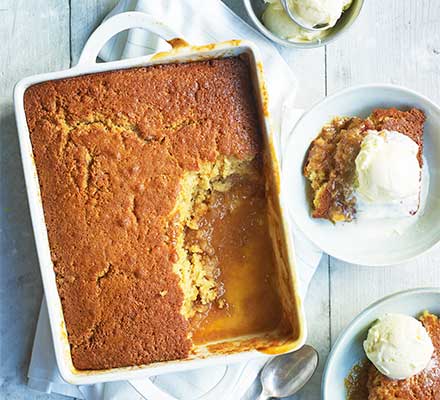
111, 150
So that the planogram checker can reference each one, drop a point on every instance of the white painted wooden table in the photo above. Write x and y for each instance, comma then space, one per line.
395, 41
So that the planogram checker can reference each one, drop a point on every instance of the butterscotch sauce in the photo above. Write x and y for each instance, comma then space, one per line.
356, 381
235, 233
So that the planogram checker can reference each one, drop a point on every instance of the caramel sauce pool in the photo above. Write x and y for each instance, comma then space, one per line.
236, 229
356, 381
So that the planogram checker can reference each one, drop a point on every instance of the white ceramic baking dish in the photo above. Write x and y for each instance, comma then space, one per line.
280, 231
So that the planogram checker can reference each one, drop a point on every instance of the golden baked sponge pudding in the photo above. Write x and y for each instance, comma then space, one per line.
145, 174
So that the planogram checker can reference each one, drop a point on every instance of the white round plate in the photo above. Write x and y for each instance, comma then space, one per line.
348, 351
374, 242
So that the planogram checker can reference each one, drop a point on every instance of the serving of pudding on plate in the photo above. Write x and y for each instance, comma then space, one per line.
403, 360
367, 167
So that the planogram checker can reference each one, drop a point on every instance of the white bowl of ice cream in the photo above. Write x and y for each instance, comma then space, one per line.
272, 21
391, 233
399, 346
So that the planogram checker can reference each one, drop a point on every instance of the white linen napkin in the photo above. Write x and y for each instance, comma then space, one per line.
199, 22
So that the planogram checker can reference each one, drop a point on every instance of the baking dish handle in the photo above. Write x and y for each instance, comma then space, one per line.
118, 23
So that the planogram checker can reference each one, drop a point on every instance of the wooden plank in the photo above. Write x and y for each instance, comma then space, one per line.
354, 287
318, 325
35, 38
86, 15
395, 42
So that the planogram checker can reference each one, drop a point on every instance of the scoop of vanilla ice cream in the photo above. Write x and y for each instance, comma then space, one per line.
312, 12
316, 12
387, 168
278, 22
398, 346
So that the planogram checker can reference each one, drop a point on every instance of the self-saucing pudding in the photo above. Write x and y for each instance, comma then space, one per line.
405, 357
367, 166
153, 189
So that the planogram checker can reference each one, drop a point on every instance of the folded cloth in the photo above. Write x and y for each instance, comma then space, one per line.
199, 22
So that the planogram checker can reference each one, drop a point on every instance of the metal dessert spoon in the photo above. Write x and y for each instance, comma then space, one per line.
285, 375
292, 15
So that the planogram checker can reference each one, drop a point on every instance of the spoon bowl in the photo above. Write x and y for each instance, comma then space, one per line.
299, 21
285, 375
